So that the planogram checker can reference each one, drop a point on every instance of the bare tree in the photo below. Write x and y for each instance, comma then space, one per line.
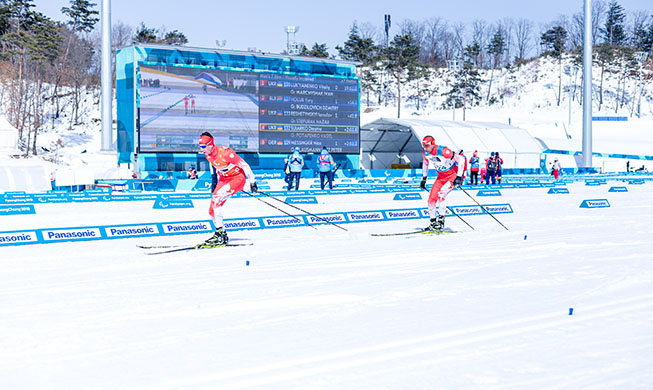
599, 9
523, 38
368, 30
459, 40
507, 25
418, 31
437, 42
481, 35
637, 24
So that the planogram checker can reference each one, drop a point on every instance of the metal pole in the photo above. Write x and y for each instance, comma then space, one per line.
587, 86
569, 122
107, 88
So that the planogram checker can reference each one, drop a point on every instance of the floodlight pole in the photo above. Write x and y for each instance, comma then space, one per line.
106, 79
587, 86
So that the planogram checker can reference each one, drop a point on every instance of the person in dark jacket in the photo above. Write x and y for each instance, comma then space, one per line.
491, 169
326, 166
499, 161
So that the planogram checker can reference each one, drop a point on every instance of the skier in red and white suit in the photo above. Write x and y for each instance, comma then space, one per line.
233, 172
451, 168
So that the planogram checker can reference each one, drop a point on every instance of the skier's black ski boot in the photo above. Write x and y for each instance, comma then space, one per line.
436, 225
218, 239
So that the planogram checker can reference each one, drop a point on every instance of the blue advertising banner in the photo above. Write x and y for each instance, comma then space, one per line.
173, 204
618, 189
411, 196
489, 193
301, 200
13, 210
41, 236
558, 191
594, 203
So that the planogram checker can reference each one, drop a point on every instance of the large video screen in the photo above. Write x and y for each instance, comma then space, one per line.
247, 111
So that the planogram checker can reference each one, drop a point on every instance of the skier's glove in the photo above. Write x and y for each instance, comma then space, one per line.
423, 184
253, 187
458, 181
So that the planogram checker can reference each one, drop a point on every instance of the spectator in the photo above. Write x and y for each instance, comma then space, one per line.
491, 169
465, 170
628, 166
286, 172
474, 163
499, 165
192, 173
555, 171
296, 162
326, 165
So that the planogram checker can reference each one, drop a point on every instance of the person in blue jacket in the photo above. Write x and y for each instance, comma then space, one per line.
295, 162
326, 165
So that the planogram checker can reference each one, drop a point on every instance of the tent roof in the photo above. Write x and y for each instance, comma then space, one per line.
396, 135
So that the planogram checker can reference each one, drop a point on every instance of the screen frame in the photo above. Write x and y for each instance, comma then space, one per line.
137, 100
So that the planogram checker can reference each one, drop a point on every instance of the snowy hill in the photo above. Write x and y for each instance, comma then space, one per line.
524, 96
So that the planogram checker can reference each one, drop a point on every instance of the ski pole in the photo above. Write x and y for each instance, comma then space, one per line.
461, 218
484, 209
454, 213
303, 211
275, 207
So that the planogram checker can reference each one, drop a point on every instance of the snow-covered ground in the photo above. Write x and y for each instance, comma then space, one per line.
327, 309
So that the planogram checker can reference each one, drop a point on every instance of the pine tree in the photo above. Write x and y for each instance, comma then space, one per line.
359, 49
175, 38
319, 50
467, 84
613, 30
647, 38
496, 48
82, 16
145, 34
554, 40
82, 19
402, 61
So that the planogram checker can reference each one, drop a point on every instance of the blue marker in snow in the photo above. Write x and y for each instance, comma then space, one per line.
571, 310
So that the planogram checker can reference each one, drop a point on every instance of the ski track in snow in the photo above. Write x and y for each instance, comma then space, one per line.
326, 309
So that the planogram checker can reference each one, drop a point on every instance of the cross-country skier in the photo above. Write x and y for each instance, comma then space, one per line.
450, 167
233, 173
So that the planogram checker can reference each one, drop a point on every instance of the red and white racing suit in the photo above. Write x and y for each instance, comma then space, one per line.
449, 165
233, 173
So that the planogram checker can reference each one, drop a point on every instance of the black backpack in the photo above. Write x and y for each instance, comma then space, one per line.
491, 164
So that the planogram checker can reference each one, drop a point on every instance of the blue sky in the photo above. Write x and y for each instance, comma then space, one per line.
260, 24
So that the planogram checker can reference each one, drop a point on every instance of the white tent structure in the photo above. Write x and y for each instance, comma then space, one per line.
388, 141
8, 137
19, 175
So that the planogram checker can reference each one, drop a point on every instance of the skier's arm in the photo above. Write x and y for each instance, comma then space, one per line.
214, 178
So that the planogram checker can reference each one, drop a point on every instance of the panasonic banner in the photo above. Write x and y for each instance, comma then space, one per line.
51, 235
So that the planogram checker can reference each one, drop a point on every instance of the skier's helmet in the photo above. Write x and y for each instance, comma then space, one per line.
428, 141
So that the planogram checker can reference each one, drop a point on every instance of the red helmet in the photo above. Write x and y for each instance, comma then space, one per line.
206, 140
428, 141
